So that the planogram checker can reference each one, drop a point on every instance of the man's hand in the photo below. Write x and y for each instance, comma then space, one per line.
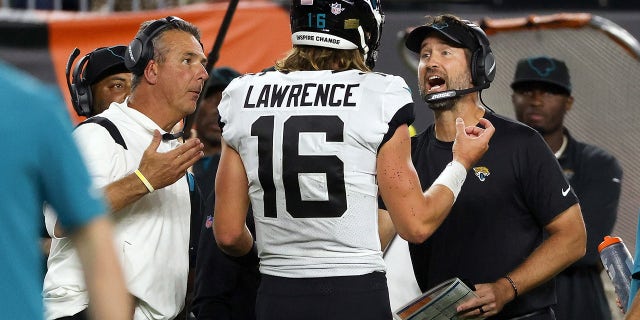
163, 169
491, 299
159, 169
471, 142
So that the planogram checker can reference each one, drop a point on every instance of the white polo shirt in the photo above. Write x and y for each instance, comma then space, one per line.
151, 234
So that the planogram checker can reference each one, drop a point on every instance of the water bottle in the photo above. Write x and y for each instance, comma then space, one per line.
618, 262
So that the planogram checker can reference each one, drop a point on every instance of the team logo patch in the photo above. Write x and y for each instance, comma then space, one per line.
336, 8
481, 172
543, 67
209, 222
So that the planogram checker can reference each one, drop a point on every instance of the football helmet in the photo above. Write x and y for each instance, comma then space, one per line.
338, 24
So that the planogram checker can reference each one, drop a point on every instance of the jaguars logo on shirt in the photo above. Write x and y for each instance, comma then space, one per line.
481, 172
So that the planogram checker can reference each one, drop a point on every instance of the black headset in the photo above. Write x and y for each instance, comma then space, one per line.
79, 89
140, 50
483, 62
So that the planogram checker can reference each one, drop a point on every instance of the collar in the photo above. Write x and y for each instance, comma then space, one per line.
563, 147
144, 121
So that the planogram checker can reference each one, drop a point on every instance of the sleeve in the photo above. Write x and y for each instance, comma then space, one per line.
544, 186
105, 163
223, 108
68, 186
225, 102
398, 96
398, 106
225, 115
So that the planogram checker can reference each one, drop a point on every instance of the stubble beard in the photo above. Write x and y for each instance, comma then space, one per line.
444, 104
440, 105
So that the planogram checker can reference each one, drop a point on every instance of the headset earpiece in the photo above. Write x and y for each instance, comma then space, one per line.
483, 62
79, 90
140, 50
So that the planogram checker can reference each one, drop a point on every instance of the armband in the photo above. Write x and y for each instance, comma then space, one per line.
144, 180
452, 177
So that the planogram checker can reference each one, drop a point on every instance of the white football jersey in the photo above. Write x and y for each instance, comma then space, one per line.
309, 142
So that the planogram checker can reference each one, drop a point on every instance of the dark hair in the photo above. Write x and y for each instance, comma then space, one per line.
309, 58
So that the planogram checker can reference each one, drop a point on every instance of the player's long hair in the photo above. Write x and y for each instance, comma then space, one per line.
311, 58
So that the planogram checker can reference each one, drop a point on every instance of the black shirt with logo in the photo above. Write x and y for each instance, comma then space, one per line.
497, 221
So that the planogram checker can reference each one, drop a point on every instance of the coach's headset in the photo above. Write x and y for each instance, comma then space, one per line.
79, 89
140, 50
483, 62
93, 67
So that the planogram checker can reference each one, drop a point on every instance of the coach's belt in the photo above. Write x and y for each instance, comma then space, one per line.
538, 312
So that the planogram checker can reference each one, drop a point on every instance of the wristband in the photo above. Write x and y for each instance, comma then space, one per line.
513, 285
144, 180
452, 177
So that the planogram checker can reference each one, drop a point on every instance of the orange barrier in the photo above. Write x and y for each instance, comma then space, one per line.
259, 34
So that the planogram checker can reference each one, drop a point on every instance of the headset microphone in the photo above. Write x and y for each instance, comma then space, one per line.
78, 86
172, 136
72, 58
434, 97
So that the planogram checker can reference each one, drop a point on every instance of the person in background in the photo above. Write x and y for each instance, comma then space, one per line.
44, 165
142, 168
310, 146
108, 78
224, 289
541, 99
516, 222
207, 129
99, 79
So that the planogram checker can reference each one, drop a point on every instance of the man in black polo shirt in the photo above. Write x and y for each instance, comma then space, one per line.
516, 222
541, 98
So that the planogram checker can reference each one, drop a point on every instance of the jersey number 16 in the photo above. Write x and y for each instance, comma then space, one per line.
293, 164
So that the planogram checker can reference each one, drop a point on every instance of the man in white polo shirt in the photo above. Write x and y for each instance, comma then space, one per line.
141, 168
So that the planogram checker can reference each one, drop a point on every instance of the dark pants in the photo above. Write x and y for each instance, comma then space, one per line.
82, 315
335, 298
581, 295
542, 314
